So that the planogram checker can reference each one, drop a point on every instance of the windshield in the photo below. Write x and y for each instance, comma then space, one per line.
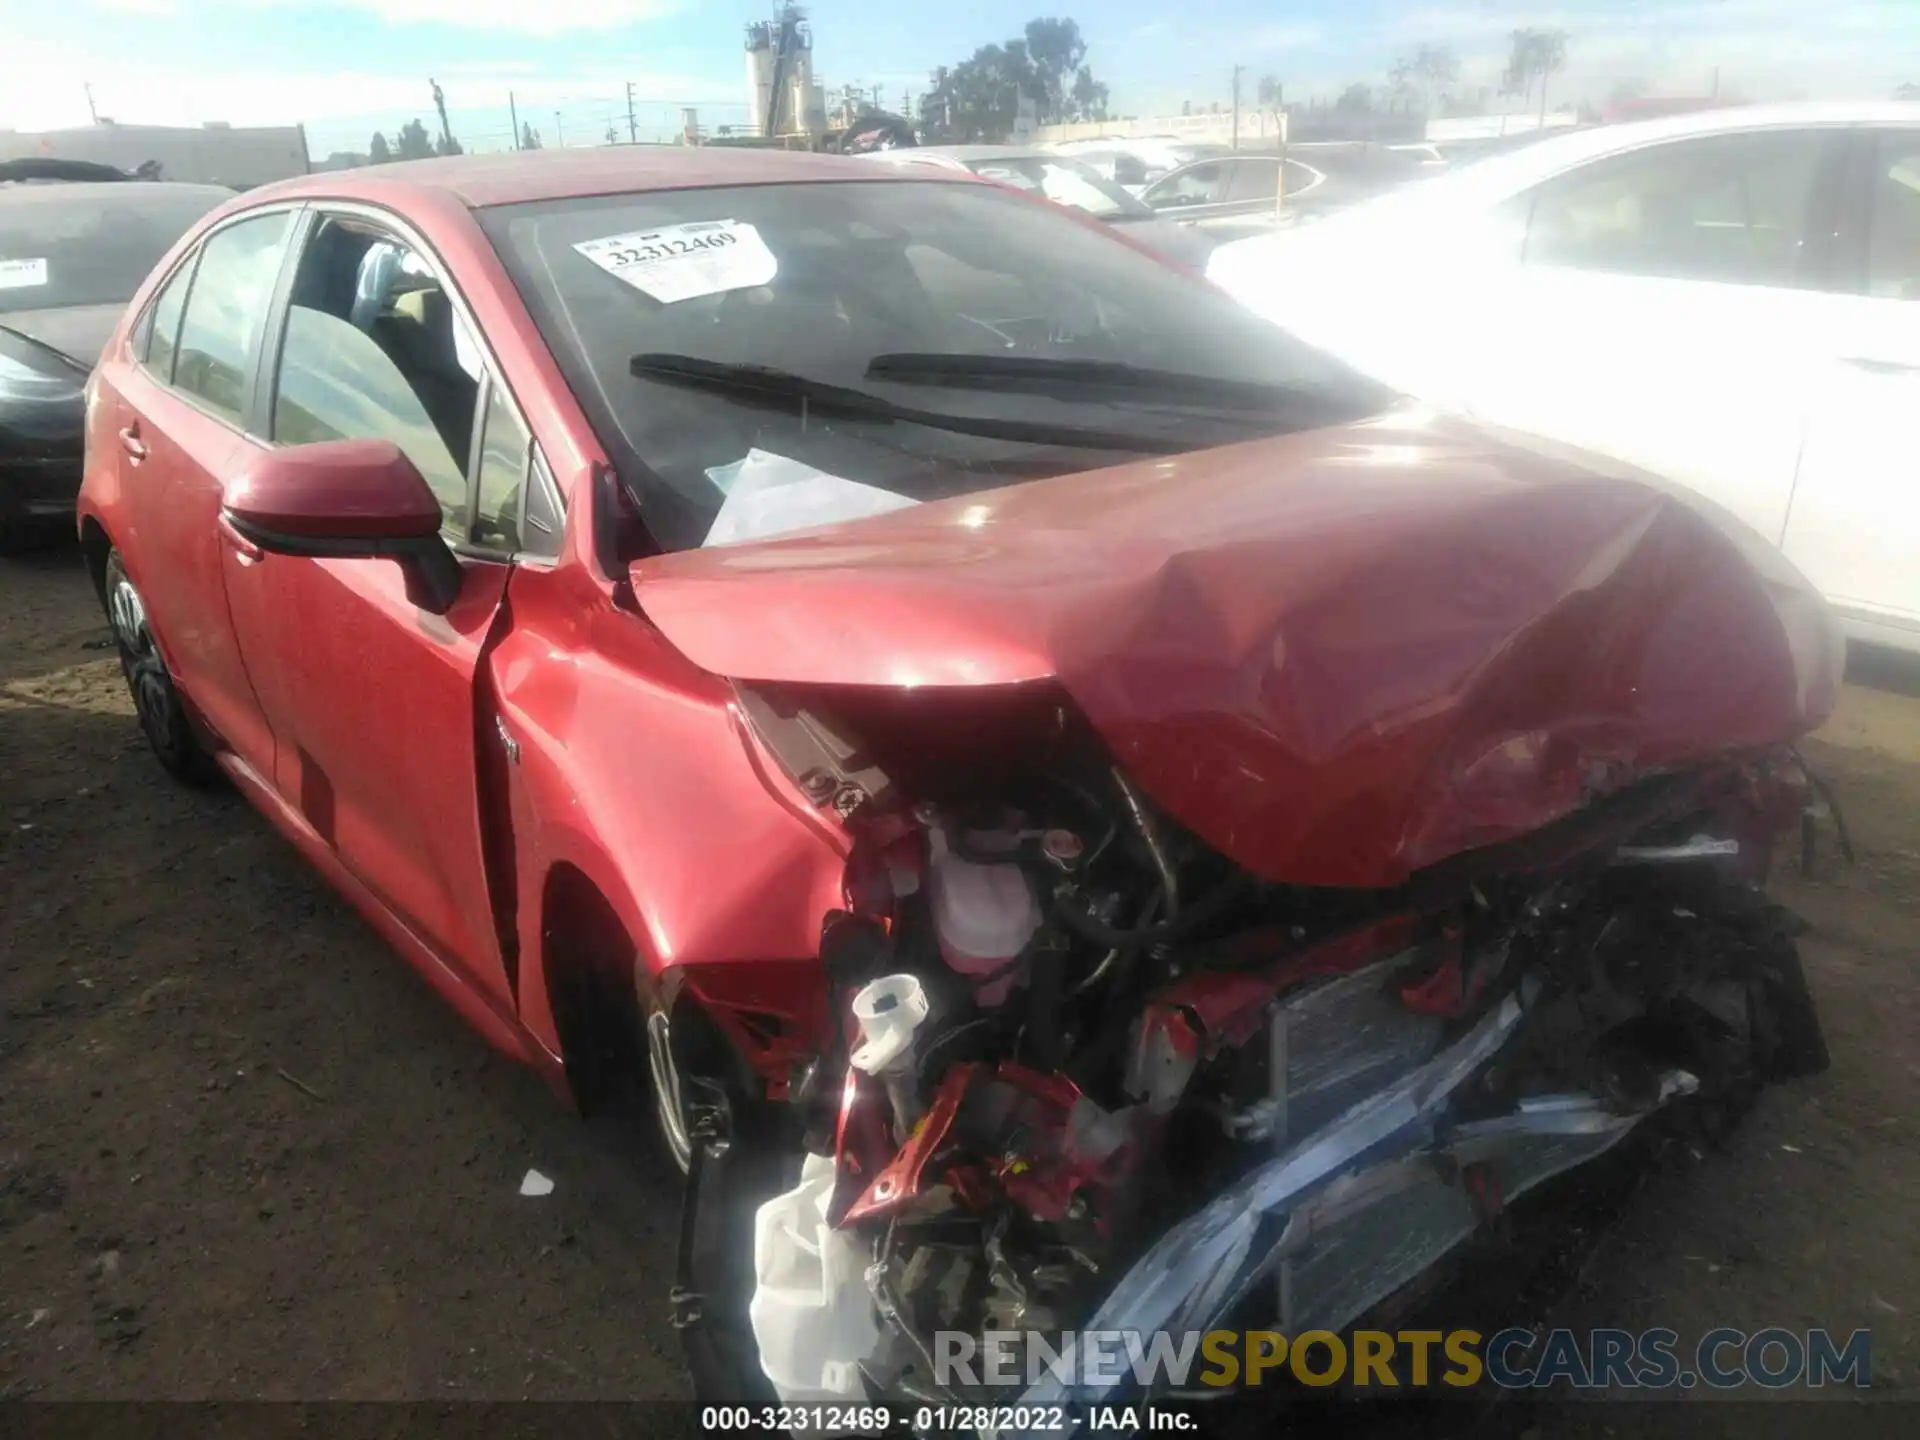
1065, 182
819, 280
64, 246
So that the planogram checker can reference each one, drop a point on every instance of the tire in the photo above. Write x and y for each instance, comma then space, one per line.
698, 1094
156, 699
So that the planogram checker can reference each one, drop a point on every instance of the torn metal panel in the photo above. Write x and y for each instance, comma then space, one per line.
1340, 655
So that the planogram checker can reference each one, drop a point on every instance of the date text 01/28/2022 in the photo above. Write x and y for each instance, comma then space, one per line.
878, 1419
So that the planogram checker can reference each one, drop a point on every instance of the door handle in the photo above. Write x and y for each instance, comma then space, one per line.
1875, 366
131, 442
244, 550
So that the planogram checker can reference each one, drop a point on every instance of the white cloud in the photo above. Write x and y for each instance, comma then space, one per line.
521, 17
46, 91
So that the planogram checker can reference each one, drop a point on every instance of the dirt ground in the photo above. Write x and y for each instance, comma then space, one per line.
244, 1153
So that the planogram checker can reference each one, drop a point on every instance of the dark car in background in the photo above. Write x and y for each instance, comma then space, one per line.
72, 252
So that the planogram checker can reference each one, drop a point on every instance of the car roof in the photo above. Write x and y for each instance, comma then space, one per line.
510, 177
1552, 154
92, 192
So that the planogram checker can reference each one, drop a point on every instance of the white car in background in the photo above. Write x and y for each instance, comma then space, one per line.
1137, 162
1729, 299
1065, 181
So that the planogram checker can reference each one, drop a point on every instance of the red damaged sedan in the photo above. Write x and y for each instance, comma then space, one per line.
1083, 812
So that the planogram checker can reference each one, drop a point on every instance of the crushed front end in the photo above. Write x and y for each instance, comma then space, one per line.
1258, 872
1088, 1073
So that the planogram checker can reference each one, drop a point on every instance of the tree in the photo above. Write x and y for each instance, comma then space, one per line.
1088, 99
979, 99
414, 144
1908, 91
1424, 77
1536, 55
378, 152
1356, 99
447, 145
1054, 51
529, 137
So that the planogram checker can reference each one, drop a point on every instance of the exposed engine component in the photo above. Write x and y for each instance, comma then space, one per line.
1093, 1075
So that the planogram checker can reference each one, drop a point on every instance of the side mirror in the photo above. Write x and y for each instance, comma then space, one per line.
347, 499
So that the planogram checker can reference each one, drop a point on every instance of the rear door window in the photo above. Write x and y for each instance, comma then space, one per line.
1732, 209
1253, 180
226, 311
1893, 232
1196, 185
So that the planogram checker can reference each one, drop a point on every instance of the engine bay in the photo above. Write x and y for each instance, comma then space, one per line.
1083, 1071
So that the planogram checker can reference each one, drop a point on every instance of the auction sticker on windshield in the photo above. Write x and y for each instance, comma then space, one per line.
20, 274
682, 262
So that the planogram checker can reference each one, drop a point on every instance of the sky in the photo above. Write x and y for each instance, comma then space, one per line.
345, 68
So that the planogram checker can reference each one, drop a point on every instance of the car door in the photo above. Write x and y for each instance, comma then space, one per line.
1665, 307
371, 699
1854, 524
181, 391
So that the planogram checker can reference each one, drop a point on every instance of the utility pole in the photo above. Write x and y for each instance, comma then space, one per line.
514, 112
559, 135
1236, 104
633, 125
88, 87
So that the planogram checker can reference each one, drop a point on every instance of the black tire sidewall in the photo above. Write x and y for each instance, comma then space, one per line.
169, 730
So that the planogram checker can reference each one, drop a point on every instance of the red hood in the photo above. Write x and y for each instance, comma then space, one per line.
1339, 656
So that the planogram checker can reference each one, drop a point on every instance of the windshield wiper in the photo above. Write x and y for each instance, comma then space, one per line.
767, 385
1029, 375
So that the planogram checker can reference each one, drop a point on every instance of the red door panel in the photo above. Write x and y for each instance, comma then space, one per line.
372, 705
170, 457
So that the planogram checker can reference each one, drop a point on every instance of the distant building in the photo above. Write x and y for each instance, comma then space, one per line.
214, 154
342, 160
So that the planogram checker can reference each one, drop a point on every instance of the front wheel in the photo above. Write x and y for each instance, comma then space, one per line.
156, 699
